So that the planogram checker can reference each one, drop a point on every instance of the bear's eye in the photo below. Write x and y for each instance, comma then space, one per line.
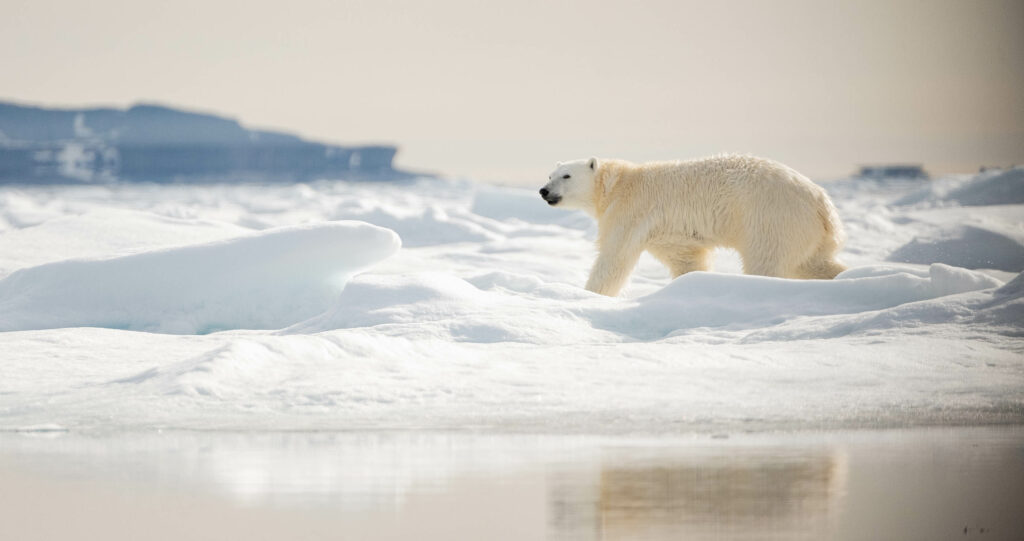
566, 176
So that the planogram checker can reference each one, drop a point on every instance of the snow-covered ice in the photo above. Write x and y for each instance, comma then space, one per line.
264, 280
293, 307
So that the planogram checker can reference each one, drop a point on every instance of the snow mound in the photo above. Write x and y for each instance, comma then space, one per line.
111, 232
225, 372
436, 225
263, 281
964, 246
1004, 188
19, 210
504, 307
701, 300
984, 189
1004, 313
407, 299
436, 306
1014, 289
431, 226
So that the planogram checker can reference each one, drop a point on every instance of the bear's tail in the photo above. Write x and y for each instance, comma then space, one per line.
822, 264
833, 227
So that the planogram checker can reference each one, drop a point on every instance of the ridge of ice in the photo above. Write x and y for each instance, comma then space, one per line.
266, 280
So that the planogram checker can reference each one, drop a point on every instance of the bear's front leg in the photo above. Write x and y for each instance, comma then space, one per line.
617, 255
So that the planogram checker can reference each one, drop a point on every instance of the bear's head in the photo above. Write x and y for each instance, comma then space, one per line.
571, 185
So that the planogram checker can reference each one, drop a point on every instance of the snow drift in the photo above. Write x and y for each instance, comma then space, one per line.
505, 307
701, 299
966, 246
263, 281
480, 321
977, 239
997, 187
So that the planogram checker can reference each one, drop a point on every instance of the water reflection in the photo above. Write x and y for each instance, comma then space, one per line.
339, 470
493, 486
753, 496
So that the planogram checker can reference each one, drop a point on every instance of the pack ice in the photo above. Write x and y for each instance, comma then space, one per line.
292, 307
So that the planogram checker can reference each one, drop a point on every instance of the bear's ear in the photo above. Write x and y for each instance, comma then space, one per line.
558, 164
592, 163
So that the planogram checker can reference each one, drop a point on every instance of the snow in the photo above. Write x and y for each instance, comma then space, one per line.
966, 246
293, 307
260, 281
995, 187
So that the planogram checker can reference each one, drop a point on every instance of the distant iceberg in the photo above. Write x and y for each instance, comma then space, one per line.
158, 144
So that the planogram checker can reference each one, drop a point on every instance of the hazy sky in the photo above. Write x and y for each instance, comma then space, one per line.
502, 90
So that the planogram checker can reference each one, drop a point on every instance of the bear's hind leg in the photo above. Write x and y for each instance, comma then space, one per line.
820, 268
683, 260
766, 260
822, 264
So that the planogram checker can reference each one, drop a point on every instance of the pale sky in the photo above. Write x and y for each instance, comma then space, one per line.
499, 91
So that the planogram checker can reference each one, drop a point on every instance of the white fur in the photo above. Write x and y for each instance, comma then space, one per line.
781, 223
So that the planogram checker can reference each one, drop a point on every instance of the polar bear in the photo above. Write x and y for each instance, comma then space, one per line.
781, 223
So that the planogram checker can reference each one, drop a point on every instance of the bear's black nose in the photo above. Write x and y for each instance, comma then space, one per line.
543, 192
